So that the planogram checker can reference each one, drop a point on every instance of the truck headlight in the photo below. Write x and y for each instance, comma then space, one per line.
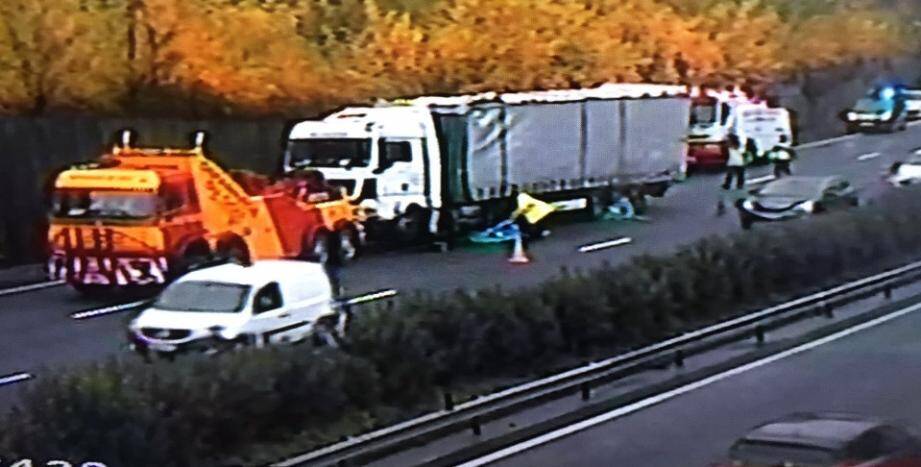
807, 206
885, 115
851, 116
748, 204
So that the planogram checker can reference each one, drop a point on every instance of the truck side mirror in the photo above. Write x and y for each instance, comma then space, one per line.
384, 165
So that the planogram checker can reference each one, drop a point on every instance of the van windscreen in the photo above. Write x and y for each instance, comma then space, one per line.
202, 296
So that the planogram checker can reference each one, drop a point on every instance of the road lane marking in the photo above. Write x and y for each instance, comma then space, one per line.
371, 297
763, 179
14, 378
648, 402
107, 310
826, 142
30, 287
607, 244
869, 156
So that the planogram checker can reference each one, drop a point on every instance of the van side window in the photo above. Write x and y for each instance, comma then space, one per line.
268, 298
396, 151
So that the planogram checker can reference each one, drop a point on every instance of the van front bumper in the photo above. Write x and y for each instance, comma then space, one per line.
144, 345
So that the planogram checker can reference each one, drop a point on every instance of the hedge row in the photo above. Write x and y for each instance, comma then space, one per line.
195, 411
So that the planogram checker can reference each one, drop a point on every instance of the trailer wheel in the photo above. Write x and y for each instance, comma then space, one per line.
598, 205
639, 202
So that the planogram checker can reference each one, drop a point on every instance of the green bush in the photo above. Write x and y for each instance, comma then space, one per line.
205, 411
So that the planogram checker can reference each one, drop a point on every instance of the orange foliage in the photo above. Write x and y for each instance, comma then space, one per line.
284, 57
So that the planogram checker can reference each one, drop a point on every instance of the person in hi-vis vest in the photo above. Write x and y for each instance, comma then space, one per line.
529, 215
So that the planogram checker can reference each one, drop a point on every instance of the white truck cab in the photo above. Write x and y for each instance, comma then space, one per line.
383, 156
268, 302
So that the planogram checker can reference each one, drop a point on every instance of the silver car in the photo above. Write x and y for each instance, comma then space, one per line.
797, 196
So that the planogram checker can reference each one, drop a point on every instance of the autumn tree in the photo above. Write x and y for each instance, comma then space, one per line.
61, 55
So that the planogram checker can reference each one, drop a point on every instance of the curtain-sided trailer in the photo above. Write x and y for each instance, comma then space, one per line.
430, 165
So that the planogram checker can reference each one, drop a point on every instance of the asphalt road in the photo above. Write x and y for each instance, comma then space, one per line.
873, 372
36, 330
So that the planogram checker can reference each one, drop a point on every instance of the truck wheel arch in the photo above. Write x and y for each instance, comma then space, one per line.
190, 253
232, 245
417, 215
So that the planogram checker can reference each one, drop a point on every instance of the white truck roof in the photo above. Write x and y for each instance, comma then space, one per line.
362, 122
403, 117
605, 91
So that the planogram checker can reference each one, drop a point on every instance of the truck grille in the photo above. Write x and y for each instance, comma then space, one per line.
165, 334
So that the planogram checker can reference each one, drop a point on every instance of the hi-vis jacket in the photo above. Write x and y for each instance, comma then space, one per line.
532, 208
737, 158
781, 153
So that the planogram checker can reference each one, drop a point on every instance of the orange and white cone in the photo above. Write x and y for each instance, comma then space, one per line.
519, 256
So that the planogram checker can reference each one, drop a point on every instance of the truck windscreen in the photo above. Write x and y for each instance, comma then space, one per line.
703, 113
95, 204
329, 152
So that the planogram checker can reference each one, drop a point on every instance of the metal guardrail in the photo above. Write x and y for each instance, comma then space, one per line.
472, 413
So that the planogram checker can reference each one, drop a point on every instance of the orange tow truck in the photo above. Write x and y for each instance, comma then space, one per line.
141, 216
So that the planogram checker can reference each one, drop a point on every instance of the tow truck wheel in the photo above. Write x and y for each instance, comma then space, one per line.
195, 254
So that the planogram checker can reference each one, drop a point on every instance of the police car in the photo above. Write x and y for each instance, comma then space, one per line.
268, 302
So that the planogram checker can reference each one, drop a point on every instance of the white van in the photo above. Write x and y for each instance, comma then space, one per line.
764, 125
272, 301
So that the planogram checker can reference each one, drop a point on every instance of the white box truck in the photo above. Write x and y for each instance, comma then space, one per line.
431, 165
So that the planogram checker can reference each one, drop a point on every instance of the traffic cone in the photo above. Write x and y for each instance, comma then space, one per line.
518, 254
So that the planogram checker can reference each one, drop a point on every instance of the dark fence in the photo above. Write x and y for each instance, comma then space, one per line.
34, 149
